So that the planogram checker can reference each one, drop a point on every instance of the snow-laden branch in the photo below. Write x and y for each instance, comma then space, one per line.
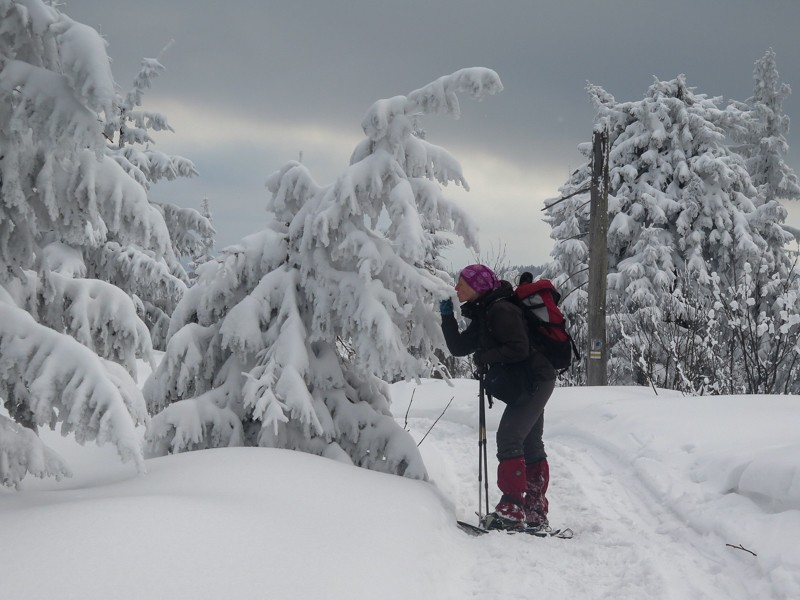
22, 452
58, 380
149, 70
149, 166
389, 118
99, 315
194, 424
46, 105
84, 60
188, 228
138, 272
114, 203
444, 214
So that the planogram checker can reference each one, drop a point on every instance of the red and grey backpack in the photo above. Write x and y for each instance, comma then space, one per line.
546, 324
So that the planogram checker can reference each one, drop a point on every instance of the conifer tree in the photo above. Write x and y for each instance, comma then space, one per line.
205, 251
681, 208
74, 229
156, 286
254, 355
762, 132
679, 199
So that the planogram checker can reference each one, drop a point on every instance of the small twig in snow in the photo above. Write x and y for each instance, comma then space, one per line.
436, 421
740, 547
405, 425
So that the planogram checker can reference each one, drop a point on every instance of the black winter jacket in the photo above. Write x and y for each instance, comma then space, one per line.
497, 328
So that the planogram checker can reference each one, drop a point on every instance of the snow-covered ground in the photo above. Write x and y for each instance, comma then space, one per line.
658, 489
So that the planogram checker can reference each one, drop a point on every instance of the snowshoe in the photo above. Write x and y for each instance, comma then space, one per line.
498, 521
541, 531
544, 530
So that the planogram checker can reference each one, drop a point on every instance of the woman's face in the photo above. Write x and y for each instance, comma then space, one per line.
464, 292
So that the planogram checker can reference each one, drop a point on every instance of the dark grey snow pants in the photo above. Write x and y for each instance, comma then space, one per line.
522, 424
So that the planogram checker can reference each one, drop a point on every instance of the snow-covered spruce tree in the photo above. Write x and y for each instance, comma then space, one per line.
72, 223
680, 203
761, 132
205, 252
130, 144
253, 356
128, 132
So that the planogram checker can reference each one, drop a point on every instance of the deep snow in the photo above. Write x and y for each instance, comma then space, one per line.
655, 487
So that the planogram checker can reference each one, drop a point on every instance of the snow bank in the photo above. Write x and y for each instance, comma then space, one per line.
227, 523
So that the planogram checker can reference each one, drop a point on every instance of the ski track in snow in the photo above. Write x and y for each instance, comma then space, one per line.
627, 544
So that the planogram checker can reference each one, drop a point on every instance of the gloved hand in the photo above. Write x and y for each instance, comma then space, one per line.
478, 359
446, 307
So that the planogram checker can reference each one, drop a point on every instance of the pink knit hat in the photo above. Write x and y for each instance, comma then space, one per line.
480, 278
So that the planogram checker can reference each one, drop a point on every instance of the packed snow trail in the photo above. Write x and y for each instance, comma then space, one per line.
627, 543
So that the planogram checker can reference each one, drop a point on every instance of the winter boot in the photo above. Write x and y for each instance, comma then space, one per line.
536, 504
510, 512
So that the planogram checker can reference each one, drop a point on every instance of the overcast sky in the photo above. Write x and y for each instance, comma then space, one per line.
250, 85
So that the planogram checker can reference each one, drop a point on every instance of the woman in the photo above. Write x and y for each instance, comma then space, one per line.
498, 335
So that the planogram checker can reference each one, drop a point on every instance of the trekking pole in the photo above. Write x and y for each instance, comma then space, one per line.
481, 420
483, 464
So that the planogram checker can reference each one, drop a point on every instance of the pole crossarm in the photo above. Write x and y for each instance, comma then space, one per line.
562, 199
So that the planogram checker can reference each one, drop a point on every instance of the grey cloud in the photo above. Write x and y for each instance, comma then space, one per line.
326, 61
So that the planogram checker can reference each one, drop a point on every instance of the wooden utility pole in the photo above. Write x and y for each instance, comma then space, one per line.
597, 353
